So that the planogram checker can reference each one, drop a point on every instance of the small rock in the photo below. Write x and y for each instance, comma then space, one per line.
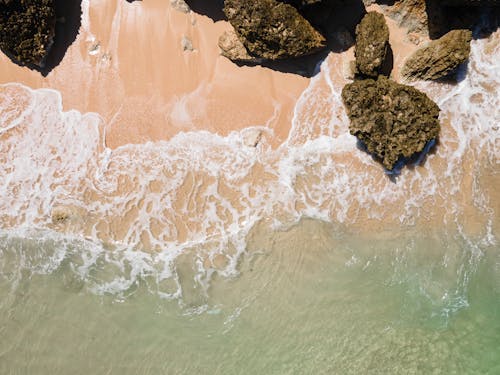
439, 58
187, 44
252, 137
180, 5
61, 214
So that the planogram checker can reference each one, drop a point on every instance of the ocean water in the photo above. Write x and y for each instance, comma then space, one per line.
202, 255
310, 299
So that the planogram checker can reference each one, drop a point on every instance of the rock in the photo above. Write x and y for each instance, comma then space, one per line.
372, 43
439, 58
391, 119
27, 29
61, 214
187, 44
180, 6
233, 49
272, 30
252, 137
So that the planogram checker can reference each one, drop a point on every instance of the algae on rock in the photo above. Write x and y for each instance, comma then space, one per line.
27, 29
391, 119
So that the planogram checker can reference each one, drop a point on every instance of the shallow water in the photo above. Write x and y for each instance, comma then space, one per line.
310, 299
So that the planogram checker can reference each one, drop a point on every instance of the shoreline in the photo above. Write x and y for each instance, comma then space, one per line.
146, 191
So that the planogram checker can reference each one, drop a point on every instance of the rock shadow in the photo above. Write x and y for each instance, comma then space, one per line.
416, 160
305, 66
339, 25
210, 8
444, 16
388, 64
68, 24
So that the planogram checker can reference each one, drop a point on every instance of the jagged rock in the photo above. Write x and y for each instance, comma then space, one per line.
439, 58
27, 29
233, 49
272, 30
372, 43
391, 119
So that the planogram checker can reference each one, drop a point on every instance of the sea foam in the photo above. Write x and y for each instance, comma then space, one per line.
138, 209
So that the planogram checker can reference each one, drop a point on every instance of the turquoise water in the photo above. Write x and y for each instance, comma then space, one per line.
313, 299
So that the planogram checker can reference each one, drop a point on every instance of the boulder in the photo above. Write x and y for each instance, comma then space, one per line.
391, 119
27, 29
272, 30
372, 44
439, 58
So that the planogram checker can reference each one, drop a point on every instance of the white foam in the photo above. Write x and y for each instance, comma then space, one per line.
202, 192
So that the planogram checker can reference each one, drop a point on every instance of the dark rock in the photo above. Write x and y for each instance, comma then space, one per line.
372, 44
272, 30
391, 119
439, 58
27, 29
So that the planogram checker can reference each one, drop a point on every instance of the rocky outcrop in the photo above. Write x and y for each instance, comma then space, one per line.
272, 30
372, 43
391, 119
27, 29
439, 58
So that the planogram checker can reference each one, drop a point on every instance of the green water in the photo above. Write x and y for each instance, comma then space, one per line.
310, 300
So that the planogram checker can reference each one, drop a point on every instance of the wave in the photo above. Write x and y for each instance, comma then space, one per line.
201, 193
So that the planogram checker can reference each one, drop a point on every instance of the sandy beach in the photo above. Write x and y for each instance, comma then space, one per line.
129, 64
152, 71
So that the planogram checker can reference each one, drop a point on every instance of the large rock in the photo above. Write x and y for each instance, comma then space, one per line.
439, 58
372, 44
27, 29
391, 119
272, 30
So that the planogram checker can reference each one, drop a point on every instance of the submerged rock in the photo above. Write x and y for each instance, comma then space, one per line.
372, 44
272, 30
391, 119
27, 29
440, 57
61, 214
